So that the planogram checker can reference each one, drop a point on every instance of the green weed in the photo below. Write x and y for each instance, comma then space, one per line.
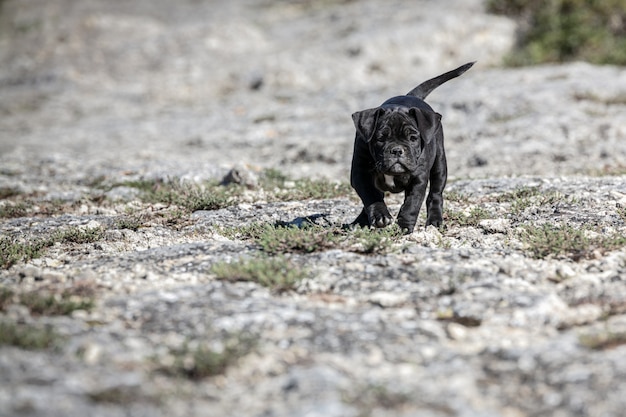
189, 196
27, 337
131, 222
281, 188
79, 235
13, 251
567, 241
464, 219
9, 211
46, 304
197, 361
276, 273
290, 239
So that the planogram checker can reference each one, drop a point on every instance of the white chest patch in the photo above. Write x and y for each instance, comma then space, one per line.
389, 181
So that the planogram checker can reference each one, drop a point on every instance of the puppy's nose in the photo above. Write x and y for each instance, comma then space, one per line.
397, 151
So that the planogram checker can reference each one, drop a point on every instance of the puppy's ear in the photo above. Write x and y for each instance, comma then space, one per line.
428, 122
365, 122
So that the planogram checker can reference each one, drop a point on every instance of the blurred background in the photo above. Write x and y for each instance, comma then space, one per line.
97, 88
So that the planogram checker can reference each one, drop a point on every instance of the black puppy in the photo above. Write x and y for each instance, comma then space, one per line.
399, 147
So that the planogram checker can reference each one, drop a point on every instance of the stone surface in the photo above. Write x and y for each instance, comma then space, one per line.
462, 321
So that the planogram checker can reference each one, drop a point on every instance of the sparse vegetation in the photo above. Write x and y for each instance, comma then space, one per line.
521, 193
79, 235
567, 241
465, 218
276, 240
284, 189
187, 195
8, 211
54, 304
198, 360
14, 250
371, 241
211, 195
290, 239
276, 273
26, 336
130, 222
524, 197
50, 302
567, 30
456, 197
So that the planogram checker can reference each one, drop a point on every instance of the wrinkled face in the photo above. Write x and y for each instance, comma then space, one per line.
396, 136
395, 144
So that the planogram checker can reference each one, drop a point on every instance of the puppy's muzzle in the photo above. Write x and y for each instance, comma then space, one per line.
397, 151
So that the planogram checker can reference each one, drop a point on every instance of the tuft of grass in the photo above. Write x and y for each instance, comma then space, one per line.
308, 189
567, 30
189, 196
521, 193
210, 195
276, 273
129, 222
373, 241
463, 219
525, 197
550, 240
13, 251
27, 337
197, 360
281, 188
567, 241
275, 240
79, 235
45, 304
457, 197
10, 211
291, 239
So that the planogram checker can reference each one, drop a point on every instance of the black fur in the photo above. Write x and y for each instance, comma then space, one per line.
399, 147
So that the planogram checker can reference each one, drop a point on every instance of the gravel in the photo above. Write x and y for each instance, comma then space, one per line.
469, 320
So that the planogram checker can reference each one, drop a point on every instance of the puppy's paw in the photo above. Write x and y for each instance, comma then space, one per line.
406, 227
379, 215
436, 221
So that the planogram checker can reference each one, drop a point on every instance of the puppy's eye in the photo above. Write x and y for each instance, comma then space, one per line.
414, 137
411, 134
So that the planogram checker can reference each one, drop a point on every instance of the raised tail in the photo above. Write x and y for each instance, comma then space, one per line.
425, 88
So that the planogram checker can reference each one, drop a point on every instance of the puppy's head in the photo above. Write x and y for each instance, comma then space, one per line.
396, 136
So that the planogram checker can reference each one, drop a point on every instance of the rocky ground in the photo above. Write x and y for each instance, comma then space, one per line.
131, 283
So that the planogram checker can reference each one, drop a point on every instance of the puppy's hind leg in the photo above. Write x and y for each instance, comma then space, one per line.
434, 201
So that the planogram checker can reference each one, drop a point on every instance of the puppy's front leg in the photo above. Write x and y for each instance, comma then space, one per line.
375, 212
413, 199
